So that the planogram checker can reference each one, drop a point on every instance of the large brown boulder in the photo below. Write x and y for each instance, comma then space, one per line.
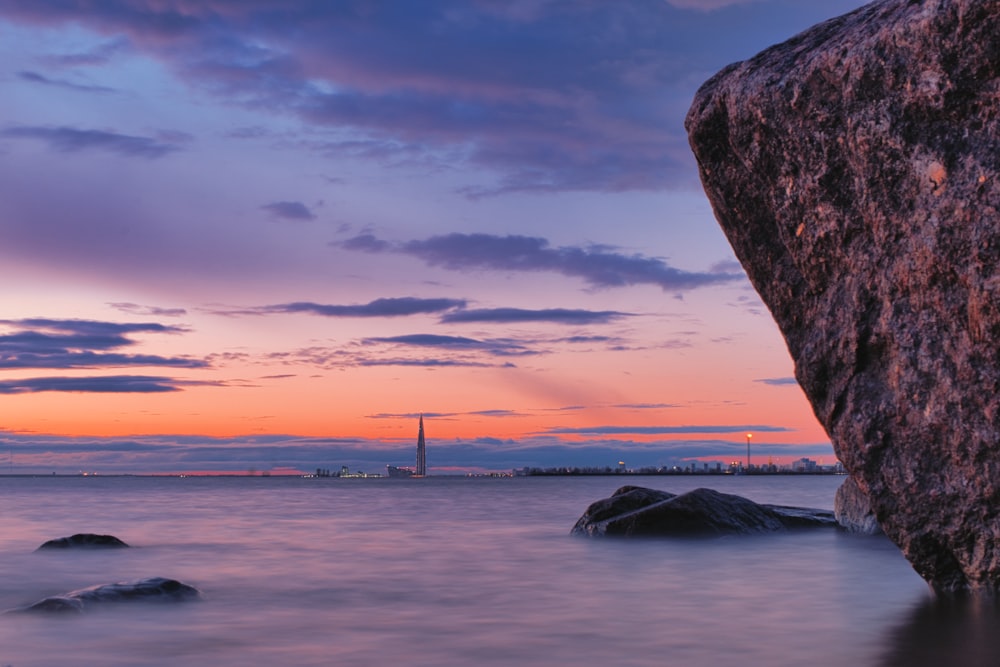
856, 172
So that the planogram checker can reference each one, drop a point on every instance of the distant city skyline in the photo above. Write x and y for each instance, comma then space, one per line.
248, 235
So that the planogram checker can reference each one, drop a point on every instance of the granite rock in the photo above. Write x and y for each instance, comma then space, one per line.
855, 170
853, 510
636, 511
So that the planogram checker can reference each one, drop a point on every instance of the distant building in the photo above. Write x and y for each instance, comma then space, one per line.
804, 465
421, 450
421, 468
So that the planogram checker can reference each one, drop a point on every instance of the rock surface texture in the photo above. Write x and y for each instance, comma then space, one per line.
154, 589
636, 511
856, 172
853, 510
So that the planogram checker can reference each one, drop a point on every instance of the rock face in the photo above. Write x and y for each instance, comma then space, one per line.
856, 172
85, 541
853, 510
635, 511
154, 589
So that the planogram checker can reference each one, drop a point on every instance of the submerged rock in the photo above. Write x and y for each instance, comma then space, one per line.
855, 170
154, 589
85, 541
634, 511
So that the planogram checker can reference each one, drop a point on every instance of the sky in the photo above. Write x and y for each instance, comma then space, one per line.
266, 235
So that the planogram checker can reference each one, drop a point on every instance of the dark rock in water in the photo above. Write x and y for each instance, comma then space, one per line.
624, 500
154, 589
855, 170
634, 511
853, 510
85, 541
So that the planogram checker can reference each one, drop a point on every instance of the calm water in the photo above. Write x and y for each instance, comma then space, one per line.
453, 571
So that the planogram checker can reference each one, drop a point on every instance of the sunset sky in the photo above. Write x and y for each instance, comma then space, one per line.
268, 234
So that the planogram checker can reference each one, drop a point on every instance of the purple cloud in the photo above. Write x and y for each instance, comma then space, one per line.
123, 384
47, 343
667, 430
72, 140
496, 347
778, 382
94, 327
427, 363
549, 96
554, 315
155, 311
35, 77
597, 266
386, 307
646, 406
289, 210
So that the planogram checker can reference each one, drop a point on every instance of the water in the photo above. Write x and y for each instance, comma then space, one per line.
455, 571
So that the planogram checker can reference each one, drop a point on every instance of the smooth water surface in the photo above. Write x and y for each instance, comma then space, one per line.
456, 571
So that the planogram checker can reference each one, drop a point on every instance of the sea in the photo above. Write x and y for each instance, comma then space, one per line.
458, 571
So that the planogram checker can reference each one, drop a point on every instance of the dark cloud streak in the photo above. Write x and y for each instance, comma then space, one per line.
289, 210
552, 315
668, 430
73, 140
386, 307
122, 384
35, 77
66, 344
597, 266
496, 347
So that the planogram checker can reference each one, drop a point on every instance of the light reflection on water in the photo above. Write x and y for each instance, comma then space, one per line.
452, 571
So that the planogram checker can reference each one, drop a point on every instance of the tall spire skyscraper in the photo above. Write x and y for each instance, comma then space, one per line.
421, 450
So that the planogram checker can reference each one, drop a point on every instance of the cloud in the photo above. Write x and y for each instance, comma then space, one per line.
124, 384
707, 5
597, 266
446, 415
99, 55
93, 327
587, 339
386, 307
72, 140
554, 315
542, 96
645, 406
496, 346
426, 363
778, 382
65, 344
289, 210
66, 359
365, 243
35, 77
668, 430
154, 311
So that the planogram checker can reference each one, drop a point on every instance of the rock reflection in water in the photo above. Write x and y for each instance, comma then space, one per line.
961, 631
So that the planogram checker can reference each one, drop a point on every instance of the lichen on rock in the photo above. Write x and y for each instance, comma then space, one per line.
855, 170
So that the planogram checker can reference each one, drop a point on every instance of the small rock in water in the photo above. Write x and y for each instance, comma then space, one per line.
154, 589
634, 511
85, 541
